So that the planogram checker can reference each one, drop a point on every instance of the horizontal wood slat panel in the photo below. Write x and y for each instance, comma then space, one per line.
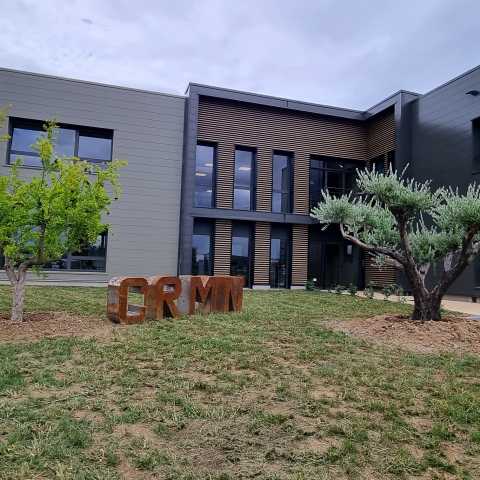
264, 180
222, 247
262, 254
379, 275
381, 134
225, 172
299, 254
268, 129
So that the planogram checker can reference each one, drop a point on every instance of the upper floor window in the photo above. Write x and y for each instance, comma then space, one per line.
335, 175
202, 248
243, 198
204, 175
282, 180
91, 144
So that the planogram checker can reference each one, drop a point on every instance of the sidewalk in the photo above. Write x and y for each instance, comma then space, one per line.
469, 308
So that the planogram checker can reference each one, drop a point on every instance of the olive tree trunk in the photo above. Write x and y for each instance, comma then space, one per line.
426, 307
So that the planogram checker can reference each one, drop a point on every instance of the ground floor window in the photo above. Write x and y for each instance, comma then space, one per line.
280, 256
242, 252
202, 248
92, 258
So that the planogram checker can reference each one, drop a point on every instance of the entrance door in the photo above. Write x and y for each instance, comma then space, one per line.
332, 261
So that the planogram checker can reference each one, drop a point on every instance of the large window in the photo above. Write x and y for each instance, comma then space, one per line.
282, 181
202, 247
91, 258
335, 175
383, 163
280, 257
91, 144
204, 175
243, 198
241, 261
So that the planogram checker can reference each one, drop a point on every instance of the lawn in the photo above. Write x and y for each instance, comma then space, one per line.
270, 393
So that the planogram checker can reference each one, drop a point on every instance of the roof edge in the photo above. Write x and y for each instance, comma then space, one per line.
88, 82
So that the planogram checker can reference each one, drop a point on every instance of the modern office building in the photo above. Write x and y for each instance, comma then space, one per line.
222, 182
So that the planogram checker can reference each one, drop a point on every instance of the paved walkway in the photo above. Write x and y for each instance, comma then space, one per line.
469, 308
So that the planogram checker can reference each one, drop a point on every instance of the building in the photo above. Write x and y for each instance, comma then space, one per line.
222, 181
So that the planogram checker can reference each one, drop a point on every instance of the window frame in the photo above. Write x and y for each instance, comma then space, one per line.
18, 122
326, 159
276, 232
290, 158
202, 223
69, 257
251, 248
253, 177
214, 145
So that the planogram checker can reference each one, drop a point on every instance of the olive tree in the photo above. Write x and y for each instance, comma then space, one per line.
57, 211
411, 225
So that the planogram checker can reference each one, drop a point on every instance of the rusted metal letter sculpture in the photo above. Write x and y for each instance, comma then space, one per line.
205, 295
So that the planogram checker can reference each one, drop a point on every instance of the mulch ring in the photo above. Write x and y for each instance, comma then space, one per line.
451, 334
54, 324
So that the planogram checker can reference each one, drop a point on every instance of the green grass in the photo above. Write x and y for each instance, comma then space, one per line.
269, 393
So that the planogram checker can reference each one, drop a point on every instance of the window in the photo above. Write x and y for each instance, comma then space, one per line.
379, 163
202, 247
282, 183
91, 258
476, 145
280, 257
333, 174
243, 198
91, 144
204, 175
241, 260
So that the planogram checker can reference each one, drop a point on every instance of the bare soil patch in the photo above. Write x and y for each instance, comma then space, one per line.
54, 324
451, 334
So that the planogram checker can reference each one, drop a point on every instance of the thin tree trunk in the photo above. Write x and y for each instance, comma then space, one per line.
18, 296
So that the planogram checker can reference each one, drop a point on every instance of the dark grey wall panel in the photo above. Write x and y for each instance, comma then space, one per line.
442, 143
148, 132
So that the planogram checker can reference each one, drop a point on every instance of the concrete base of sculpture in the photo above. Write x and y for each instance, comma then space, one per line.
166, 296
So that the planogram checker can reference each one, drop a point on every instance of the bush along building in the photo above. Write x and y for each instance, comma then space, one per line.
222, 182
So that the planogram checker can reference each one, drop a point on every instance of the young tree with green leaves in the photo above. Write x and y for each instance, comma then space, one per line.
412, 226
57, 211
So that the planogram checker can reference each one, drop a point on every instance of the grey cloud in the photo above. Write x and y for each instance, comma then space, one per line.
350, 54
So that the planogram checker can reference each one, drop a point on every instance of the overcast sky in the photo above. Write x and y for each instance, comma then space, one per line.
350, 53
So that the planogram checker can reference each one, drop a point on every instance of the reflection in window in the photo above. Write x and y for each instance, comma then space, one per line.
94, 145
204, 175
280, 257
333, 174
202, 258
241, 260
243, 187
90, 258
281, 183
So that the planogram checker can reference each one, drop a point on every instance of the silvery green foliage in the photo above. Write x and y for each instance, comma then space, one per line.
372, 214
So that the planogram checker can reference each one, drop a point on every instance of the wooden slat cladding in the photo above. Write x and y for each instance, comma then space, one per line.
264, 180
381, 134
222, 247
299, 254
262, 254
379, 275
225, 171
267, 129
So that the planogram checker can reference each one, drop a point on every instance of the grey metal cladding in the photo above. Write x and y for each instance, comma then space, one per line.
440, 124
148, 132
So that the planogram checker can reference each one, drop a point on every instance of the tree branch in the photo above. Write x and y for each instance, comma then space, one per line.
372, 248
